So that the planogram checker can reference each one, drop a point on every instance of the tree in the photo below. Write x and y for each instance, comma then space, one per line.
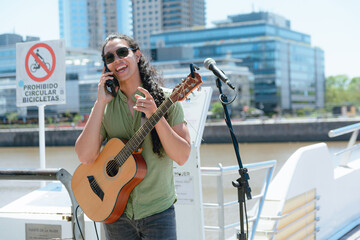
77, 118
354, 91
341, 91
217, 109
12, 116
336, 91
50, 120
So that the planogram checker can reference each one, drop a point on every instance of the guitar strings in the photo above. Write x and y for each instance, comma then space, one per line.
125, 153
95, 185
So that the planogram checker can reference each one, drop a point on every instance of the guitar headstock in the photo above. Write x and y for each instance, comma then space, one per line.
189, 84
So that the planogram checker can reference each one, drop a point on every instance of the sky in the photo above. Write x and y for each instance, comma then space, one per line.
334, 25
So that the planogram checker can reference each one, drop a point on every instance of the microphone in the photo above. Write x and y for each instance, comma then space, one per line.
210, 64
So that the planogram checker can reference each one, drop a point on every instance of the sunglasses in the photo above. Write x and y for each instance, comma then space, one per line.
120, 52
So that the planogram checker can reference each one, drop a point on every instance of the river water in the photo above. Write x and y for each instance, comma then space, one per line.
210, 156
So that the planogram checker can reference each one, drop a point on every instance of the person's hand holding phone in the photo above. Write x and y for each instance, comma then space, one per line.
103, 92
111, 84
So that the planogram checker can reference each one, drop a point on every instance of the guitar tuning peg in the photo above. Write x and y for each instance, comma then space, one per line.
199, 89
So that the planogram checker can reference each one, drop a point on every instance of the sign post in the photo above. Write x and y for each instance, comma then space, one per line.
41, 114
40, 80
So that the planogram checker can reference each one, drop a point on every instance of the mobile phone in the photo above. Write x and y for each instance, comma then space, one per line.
110, 85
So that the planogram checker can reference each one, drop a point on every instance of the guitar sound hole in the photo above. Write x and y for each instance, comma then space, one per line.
112, 168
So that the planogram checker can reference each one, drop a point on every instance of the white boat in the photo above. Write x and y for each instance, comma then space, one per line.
311, 197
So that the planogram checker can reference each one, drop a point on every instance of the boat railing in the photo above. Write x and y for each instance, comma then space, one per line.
351, 146
219, 173
50, 174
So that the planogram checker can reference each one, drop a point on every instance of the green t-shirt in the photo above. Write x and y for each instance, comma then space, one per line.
156, 192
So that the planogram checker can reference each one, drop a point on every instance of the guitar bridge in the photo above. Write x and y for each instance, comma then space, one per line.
95, 187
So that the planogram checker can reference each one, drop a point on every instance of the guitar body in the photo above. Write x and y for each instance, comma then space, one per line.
102, 188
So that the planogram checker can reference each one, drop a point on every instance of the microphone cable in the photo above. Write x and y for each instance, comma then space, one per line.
77, 222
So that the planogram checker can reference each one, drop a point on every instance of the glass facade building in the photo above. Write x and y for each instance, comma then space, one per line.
288, 71
243, 80
73, 23
86, 23
7, 60
160, 15
8, 70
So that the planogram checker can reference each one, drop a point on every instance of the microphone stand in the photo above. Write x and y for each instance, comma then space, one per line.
241, 183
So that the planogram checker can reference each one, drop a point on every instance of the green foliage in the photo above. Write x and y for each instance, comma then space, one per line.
50, 120
320, 112
77, 118
300, 112
341, 91
354, 91
12, 116
309, 110
68, 114
217, 109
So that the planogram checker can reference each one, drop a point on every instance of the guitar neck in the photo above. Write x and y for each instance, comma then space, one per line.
143, 131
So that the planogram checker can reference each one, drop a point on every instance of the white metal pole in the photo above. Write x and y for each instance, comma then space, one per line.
42, 135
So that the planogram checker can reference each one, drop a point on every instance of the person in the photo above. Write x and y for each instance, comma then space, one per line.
38, 54
149, 213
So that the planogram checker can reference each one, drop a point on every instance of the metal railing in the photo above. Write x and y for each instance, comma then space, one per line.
354, 129
49, 175
219, 173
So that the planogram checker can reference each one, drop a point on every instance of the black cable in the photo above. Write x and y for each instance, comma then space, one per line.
77, 222
247, 220
97, 235
226, 102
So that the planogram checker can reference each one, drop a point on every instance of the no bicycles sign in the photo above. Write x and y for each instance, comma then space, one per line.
40, 73
35, 69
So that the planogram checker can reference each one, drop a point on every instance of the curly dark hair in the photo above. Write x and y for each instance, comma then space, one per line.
150, 78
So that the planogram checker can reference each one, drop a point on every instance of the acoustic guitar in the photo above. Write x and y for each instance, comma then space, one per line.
102, 188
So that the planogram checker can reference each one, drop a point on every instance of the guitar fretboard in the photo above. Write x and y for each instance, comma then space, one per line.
143, 131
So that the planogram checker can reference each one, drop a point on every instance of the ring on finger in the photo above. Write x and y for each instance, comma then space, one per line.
142, 104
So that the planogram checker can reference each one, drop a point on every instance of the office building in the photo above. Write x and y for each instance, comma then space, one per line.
152, 16
288, 71
10, 38
83, 71
241, 78
8, 51
86, 23
8, 72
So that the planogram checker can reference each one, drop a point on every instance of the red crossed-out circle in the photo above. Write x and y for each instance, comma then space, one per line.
48, 71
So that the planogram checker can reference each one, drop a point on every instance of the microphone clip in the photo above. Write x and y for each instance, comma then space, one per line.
193, 68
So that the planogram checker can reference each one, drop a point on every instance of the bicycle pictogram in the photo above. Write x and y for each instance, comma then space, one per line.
40, 62
35, 66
